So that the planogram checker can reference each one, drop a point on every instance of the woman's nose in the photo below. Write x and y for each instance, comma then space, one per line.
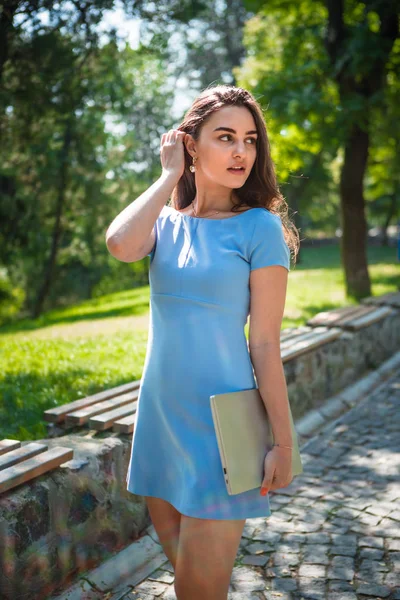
240, 148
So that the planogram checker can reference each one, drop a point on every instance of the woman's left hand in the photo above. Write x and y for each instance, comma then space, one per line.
277, 469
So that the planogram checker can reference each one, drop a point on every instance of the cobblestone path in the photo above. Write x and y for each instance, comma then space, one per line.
334, 533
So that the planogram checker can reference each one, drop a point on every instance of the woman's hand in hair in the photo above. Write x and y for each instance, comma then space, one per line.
172, 152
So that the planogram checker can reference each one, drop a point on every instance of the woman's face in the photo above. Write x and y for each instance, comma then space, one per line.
228, 138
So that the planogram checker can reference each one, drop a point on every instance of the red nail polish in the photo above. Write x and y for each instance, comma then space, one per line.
264, 491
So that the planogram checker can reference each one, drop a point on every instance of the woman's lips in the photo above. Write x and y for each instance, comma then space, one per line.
237, 171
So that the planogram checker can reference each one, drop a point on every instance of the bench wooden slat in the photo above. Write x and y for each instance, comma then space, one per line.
291, 335
7, 445
339, 317
312, 333
391, 298
80, 417
57, 414
24, 452
33, 467
106, 420
370, 318
329, 317
303, 346
125, 425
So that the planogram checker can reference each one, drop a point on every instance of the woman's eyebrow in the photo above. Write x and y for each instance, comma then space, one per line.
232, 130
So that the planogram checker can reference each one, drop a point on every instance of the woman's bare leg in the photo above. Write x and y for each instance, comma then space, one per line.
206, 556
166, 520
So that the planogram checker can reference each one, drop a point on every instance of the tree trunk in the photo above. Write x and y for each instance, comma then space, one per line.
353, 222
7, 31
49, 269
364, 82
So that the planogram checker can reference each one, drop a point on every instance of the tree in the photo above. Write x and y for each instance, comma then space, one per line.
352, 45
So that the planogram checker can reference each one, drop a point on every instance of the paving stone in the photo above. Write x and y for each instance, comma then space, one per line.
259, 548
318, 538
280, 516
272, 537
309, 570
369, 519
371, 542
245, 579
284, 546
381, 510
360, 528
342, 567
386, 531
249, 528
394, 559
373, 565
370, 576
284, 584
312, 589
338, 585
316, 554
288, 538
258, 561
344, 540
343, 550
169, 594
392, 579
347, 513
282, 526
286, 558
372, 553
375, 591
393, 544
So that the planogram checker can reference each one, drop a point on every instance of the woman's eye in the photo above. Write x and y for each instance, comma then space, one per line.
229, 136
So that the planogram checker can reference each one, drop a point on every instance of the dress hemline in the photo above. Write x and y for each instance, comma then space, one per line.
196, 516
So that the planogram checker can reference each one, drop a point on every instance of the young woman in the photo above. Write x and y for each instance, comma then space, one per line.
220, 251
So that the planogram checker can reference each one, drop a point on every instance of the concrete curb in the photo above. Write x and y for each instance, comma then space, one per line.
317, 420
145, 555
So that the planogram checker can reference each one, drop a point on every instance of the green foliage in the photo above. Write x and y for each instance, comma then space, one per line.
65, 174
287, 68
11, 299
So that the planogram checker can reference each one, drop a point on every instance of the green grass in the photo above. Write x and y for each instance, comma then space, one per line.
42, 372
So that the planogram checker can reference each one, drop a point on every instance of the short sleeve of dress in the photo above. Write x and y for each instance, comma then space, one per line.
268, 245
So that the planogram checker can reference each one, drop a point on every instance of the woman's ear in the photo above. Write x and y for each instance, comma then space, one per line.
189, 144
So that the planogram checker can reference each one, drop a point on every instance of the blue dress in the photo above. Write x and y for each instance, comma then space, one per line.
199, 304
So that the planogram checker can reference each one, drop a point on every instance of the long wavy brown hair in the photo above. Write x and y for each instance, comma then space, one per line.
261, 188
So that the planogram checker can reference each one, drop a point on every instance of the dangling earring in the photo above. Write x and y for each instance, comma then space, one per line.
193, 167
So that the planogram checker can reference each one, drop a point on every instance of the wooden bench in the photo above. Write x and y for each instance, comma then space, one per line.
115, 409
19, 464
305, 339
389, 299
351, 318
